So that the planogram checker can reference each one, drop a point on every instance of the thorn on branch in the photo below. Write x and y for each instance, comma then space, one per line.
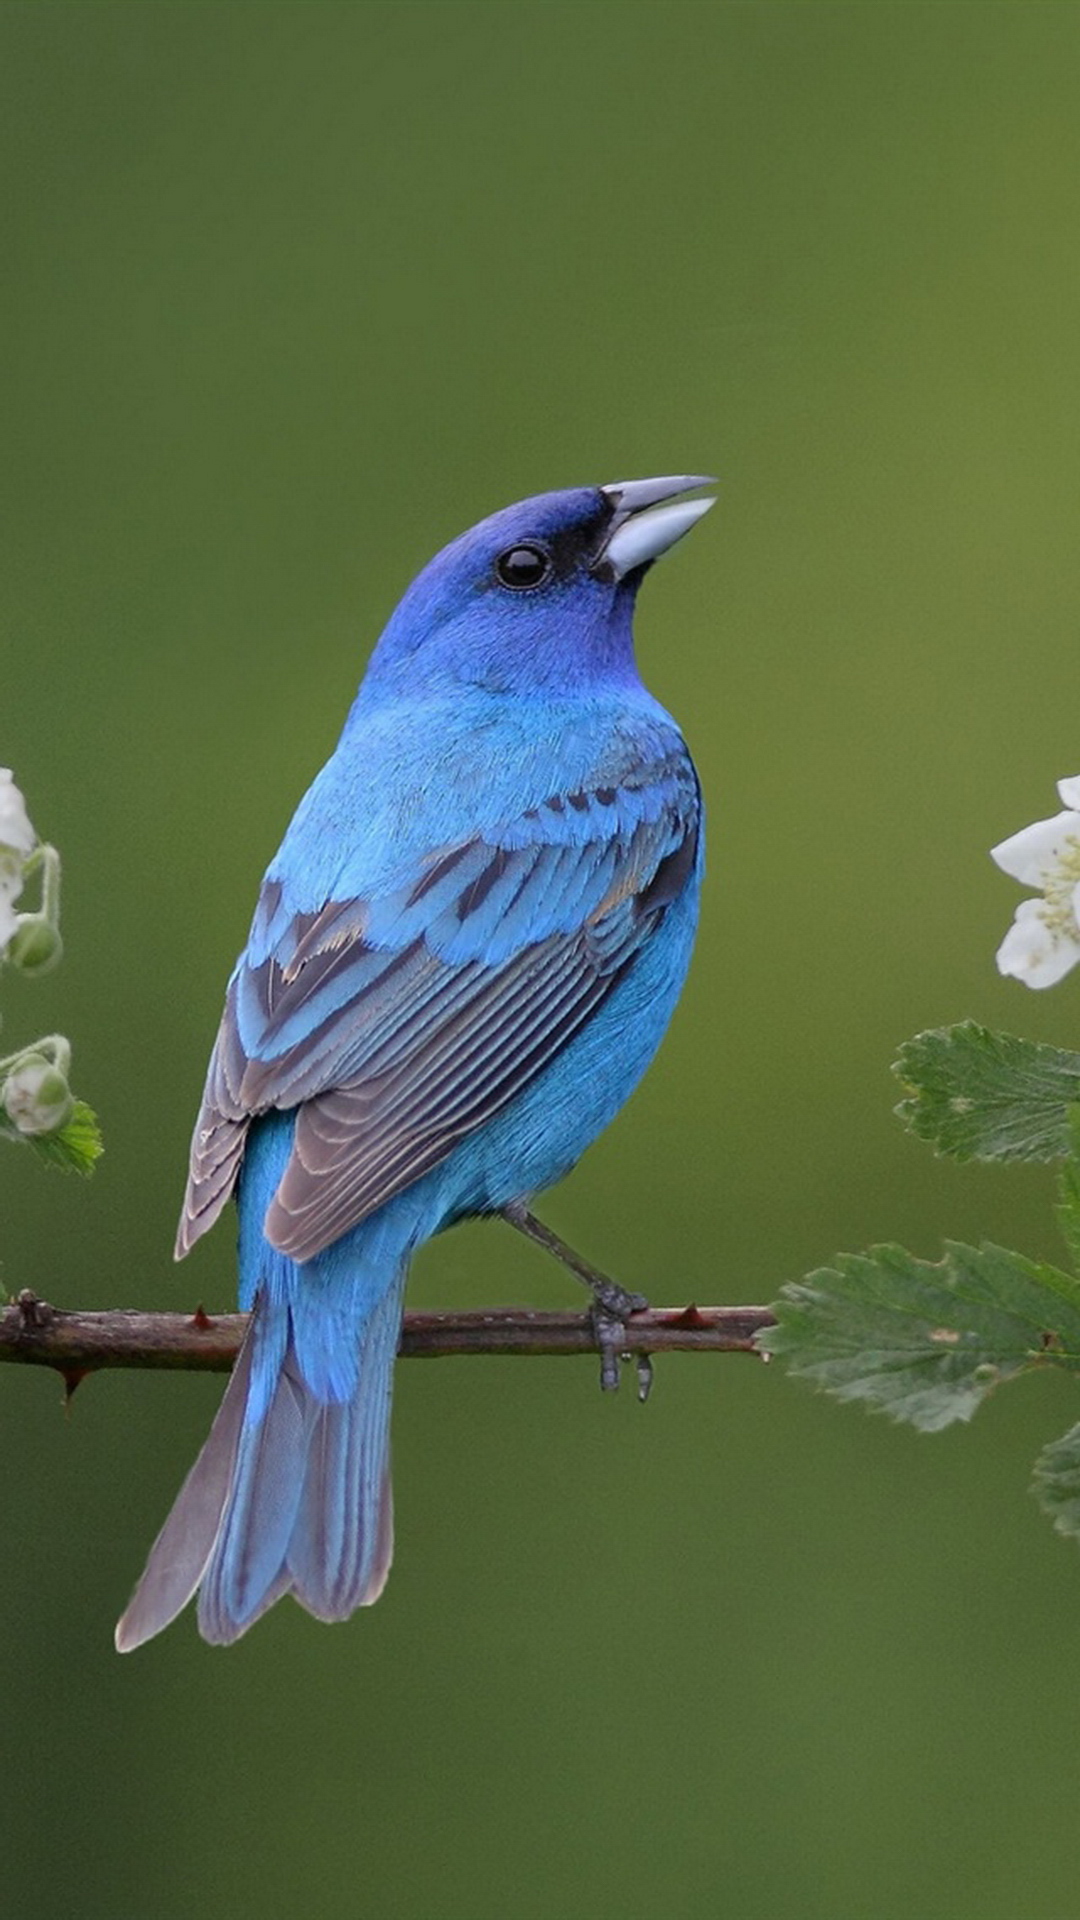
34, 1313
689, 1317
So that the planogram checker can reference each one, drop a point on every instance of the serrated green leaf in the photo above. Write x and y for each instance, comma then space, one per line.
926, 1341
1068, 1207
977, 1095
76, 1146
1056, 1483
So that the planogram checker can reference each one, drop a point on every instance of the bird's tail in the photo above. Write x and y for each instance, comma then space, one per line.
291, 1492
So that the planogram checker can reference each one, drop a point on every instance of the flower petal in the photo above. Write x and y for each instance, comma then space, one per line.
15, 828
1030, 952
11, 874
1031, 855
1070, 790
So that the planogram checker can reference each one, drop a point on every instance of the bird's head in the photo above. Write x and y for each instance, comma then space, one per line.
539, 596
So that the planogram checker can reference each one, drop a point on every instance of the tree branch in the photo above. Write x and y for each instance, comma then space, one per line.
33, 1333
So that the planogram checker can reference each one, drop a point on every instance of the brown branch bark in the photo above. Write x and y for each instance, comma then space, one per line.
33, 1333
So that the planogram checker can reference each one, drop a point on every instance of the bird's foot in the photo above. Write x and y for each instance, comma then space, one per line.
613, 1305
615, 1301
610, 1328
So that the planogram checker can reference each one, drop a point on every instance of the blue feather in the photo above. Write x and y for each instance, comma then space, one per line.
462, 960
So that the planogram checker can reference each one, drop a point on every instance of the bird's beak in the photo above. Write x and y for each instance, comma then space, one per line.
642, 525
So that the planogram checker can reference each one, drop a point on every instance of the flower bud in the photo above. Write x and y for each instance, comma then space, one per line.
36, 1096
35, 945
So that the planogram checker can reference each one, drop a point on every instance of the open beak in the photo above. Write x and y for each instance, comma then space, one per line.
644, 525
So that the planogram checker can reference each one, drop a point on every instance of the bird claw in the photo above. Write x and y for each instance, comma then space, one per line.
610, 1314
645, 1375
616, 1301
613, 1305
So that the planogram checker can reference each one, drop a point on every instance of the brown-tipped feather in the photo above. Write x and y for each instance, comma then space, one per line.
181, 1552
387, 1082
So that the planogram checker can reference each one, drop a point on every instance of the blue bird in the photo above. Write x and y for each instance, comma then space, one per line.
463, 958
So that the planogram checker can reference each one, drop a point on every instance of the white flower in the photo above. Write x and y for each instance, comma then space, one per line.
1043, 942
17, 839
16, 832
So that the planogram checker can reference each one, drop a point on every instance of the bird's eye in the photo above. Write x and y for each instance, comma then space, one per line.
524, 566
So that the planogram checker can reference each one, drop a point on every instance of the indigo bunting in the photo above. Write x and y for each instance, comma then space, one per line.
462, 960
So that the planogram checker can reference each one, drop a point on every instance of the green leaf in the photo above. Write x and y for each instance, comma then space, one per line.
926, 1341
1068, 1207
977, 1095
1056, 1484
77, 1144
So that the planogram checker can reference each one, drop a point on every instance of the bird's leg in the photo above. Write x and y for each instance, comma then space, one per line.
612, 1304
616, 1299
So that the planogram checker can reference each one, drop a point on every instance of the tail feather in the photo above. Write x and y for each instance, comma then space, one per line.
253, 1539
179, 1555
339, 1552
384, 1544
291, 1492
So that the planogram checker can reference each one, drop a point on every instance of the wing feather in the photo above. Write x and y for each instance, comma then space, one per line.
397, 1026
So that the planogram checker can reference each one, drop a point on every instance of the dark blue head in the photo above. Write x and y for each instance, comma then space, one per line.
537, 597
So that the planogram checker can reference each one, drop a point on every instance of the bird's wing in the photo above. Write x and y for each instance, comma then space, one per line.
399, 1024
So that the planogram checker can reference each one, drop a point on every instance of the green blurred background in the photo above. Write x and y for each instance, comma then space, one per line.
294, 293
